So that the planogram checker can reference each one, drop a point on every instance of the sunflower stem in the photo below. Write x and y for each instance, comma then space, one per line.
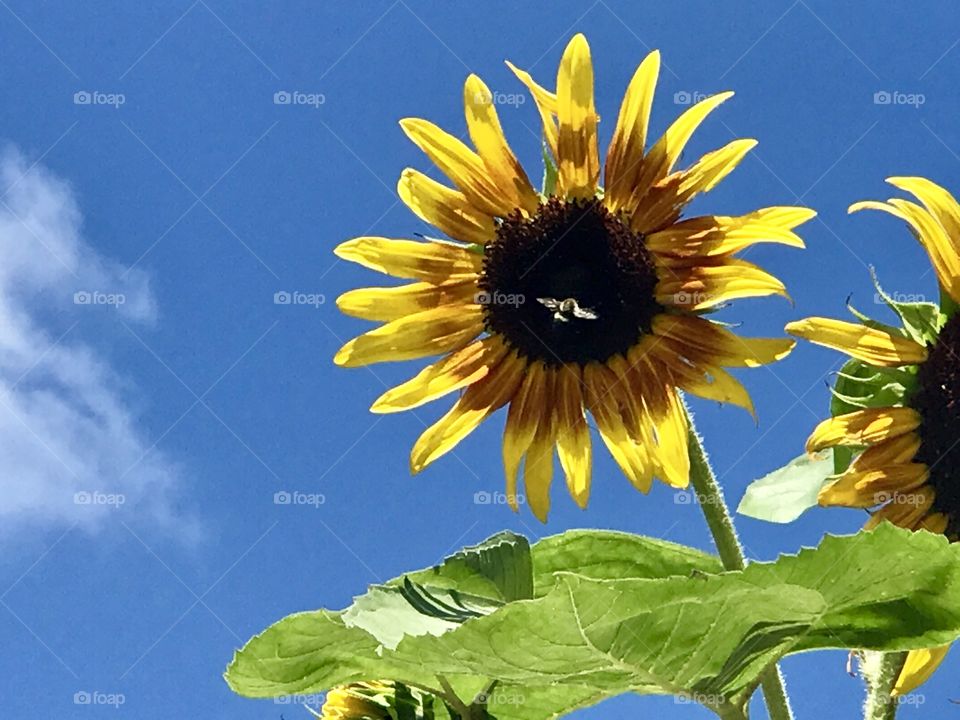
881, 670
715, 511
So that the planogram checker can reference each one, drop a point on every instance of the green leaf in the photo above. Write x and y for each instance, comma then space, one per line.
304, 653
783, 495
587, 638
713, 635
390, 613
499, 568
607, 555
474, 581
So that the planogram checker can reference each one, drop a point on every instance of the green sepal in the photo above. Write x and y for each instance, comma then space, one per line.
922, 321
550, 172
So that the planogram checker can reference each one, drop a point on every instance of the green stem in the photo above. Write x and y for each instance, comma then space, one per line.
715, 511
880, 671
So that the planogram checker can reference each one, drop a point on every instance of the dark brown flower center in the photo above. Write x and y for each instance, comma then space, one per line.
937, 399
571, 284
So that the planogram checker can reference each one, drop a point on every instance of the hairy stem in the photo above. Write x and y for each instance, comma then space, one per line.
880, 671
715, 511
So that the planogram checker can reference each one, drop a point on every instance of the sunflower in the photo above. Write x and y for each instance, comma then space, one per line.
905, 434
357, 701
376, 700
578, 299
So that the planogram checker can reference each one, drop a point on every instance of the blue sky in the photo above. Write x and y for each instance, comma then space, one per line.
184, 189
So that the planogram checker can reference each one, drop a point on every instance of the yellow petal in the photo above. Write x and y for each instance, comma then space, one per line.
713, 235
431, 332
389, 303
918, 668
538, 468
907, 515
943, 208
940, 249
937, 200
894, 451
487, 135
665, 152
578, 161
699, 339
455, 371
431, 261
932, 236
526, 408
663, 204
669, 419
868, 488
625, 156
863, 427
477, 403
573, 434
626, 387
703, 287
632, 458
705, 380
546, 102
859, 341
459, 163
934, 522
444, 208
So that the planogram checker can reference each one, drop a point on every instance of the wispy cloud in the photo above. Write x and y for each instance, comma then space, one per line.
71, 450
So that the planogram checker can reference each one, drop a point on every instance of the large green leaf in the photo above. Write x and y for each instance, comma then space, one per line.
607, 555
782, 495
595, 634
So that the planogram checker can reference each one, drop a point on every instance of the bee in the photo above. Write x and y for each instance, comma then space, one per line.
565, 310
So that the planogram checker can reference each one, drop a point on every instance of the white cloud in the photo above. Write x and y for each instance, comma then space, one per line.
70, 447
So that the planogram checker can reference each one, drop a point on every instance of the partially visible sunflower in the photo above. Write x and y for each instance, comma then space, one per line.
357, 701
578, 299
375, 700
906, 430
